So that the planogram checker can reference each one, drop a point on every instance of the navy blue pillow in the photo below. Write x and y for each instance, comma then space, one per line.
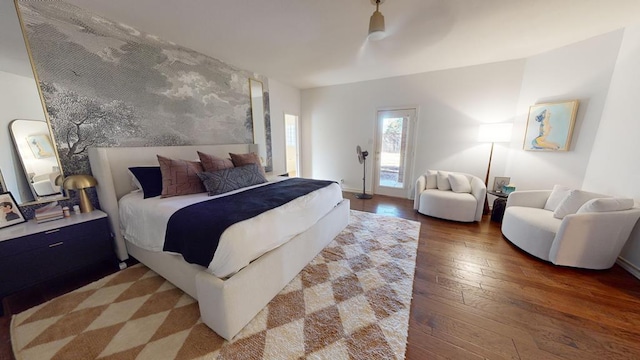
149, 178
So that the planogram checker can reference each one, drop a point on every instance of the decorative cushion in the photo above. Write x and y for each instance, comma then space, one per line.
606, 204
212, 163
180, 177
148, 179
226, 180
246, 159
459, 183
557, 195
572, 202
432, 179
443, 181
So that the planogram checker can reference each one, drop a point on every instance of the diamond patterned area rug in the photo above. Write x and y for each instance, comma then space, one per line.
351, 302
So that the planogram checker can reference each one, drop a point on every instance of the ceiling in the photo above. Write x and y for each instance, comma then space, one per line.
312, 43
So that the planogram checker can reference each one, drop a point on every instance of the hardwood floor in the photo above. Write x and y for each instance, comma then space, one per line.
475, 296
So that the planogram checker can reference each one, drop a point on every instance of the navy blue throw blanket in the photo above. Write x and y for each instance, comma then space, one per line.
194, 231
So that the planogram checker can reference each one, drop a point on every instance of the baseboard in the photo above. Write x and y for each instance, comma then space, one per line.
625, 264
355, 191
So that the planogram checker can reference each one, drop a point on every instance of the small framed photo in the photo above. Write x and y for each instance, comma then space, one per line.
10, 213
499, 182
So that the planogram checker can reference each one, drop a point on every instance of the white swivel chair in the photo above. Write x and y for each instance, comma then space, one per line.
580, 229
450, 195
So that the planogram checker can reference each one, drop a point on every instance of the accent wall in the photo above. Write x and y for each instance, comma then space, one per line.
613, 165
108, 84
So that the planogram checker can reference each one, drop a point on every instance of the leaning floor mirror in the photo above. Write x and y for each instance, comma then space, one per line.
2, 185
32, 141
257, 114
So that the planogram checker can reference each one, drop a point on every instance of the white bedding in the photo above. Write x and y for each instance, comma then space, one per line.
144, 222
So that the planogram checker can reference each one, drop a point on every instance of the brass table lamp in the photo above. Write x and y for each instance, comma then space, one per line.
80, 183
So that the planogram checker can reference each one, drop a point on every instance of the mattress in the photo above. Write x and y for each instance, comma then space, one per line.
144, 223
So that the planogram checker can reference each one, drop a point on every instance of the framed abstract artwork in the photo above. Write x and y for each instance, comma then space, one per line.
10, 213
41, 146
550, 126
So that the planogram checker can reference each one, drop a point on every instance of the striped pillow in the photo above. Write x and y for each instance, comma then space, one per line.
220, 182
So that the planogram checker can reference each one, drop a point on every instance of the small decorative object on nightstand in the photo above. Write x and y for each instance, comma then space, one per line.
80, 183
32, 253
499, 205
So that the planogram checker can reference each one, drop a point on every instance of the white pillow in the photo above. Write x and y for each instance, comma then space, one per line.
443, 181
573, 202
134, 182
557, 195
459, 183
432, 179
606, 204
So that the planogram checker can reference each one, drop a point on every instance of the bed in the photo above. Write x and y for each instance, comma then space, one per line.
226, 304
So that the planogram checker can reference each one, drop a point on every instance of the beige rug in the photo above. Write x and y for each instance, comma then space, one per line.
351, 301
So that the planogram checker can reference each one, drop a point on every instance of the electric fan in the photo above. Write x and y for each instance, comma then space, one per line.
362, 157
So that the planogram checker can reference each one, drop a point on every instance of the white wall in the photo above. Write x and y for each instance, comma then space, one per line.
13, 57
283, 99
579, 71
614, 164
451, 105
19, 98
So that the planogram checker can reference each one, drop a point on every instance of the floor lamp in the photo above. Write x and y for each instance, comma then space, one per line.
493, 133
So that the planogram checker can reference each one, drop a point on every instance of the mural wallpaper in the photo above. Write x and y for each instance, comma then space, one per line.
108, 84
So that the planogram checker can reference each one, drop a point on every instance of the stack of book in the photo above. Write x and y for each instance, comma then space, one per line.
49, 212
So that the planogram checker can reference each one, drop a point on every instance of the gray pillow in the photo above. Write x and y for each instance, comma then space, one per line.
222, 181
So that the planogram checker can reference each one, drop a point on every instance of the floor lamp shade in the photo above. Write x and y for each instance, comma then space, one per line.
494, 133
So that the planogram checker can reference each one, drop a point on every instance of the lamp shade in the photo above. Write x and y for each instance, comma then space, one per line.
80, 183
376, 26
75, 182
495, 132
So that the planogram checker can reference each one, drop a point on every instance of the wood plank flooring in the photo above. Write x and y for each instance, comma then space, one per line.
475, 296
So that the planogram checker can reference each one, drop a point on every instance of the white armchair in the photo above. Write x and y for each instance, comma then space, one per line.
590, 237
450, 195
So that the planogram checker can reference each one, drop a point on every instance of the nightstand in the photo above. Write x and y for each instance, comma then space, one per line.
32, 253
499, 205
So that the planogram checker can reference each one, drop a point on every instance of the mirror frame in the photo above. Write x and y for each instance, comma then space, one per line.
53, 196
258, 118
25, 176
3, 186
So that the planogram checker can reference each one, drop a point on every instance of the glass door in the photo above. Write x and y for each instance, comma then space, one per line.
292, 145
393, 173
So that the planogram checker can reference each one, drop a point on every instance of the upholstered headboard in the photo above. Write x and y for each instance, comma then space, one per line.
110, 167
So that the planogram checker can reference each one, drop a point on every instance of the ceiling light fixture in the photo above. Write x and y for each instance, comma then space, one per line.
376, 23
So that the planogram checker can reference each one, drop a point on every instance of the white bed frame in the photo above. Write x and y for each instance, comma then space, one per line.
226, 305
